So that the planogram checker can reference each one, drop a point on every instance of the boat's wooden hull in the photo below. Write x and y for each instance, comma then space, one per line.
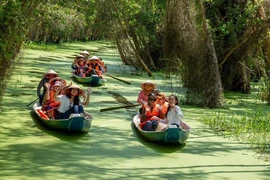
93, 80
73, 124
171, 135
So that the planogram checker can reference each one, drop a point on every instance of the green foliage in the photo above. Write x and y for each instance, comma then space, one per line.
229, 20
14, 18
39, 46
253, 127
264, 89
56, 24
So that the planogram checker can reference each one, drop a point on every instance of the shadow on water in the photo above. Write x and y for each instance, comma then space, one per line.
161, 148
66, 136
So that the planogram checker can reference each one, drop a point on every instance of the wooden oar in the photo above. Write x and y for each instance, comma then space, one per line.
32, 102
118, 107
117, 78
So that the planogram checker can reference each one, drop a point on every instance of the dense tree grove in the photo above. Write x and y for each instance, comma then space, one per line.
212, 45
14, 17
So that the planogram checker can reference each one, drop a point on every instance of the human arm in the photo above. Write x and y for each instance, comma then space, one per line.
47, 92
87, 98
141, 99
179, 112
40, 85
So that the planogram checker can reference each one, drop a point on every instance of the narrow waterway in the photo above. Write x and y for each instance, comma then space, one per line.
112, 149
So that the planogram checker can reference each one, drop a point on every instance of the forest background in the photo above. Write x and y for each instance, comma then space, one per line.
209, 47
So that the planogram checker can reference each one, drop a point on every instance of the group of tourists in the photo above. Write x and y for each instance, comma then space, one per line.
86, 66
158, 111
59, 100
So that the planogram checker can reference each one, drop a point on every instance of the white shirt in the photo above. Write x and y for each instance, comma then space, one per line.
175, 115
64, 103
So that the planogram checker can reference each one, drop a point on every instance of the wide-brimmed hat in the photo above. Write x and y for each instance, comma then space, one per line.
94, 58
74, 86
148, 82
80, 56
85, 52
60, 81
161, 96
51, 72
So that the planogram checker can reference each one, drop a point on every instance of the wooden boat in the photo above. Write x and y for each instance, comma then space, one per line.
75, 123
93, 80
170, 135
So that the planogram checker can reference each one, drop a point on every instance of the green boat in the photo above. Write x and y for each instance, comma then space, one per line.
93, 80
164, 134
75, 123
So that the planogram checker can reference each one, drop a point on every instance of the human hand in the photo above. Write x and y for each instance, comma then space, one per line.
89, 90
155, 118
144, 102
147, 108
160, 107
47, 85
172, 106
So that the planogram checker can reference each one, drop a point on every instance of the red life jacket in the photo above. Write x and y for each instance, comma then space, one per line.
155, 112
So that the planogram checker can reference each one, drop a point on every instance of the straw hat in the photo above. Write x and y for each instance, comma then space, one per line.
85, 52
80, 56
148, 82
74, 86
60, 81
94, 58
51, 72
161, 96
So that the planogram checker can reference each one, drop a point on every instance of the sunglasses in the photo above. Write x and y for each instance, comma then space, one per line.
151, 99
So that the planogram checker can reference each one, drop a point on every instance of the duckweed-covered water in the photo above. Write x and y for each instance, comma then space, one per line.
111, 149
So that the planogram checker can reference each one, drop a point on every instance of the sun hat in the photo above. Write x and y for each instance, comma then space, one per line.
161, 96
80, 56
53, 81
74, 86
52, 72
148, 82
85, 52
94, 58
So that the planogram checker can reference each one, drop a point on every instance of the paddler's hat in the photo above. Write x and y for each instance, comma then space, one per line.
51, 72
94, 58
85, 52
148, 82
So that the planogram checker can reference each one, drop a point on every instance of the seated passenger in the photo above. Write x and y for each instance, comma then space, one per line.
94, 67
85, 54
174, 114
79, 66
147, 88
150, 114
70, 102
49, 103
163, 104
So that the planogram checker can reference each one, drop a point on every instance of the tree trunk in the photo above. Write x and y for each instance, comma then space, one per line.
188, 42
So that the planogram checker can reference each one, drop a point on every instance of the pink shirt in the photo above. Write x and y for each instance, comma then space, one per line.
142, 96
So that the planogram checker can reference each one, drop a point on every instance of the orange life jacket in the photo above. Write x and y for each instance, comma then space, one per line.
42, 114
155, 112
96, 66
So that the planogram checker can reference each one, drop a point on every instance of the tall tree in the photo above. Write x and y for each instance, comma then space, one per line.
238, 30
14, 16
188, 43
